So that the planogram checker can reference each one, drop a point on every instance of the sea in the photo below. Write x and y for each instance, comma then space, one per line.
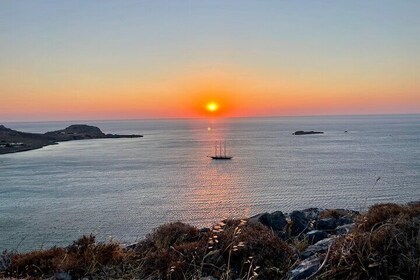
123, 189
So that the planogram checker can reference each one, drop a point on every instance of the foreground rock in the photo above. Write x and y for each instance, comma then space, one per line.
316, 235
12, 141
312, 224
276, 220
305, 269
319, 247
314, 229
328, 224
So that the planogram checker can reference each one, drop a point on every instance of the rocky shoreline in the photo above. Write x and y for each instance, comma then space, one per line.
12, 141
312, 243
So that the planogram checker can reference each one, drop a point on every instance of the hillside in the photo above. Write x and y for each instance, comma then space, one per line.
309, 244
12, 141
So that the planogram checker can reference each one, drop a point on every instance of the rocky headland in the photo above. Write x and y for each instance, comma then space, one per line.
12, 141
314, 243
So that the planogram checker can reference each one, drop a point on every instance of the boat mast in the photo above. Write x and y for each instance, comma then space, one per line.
215, 149
225, 148
220, 150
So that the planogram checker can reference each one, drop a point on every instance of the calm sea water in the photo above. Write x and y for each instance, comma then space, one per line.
123, 188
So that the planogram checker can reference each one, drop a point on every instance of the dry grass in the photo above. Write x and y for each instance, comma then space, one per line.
232, 249
260, 247
337, 213
84, 258
228, 251
384, 245
331, 213
300, 244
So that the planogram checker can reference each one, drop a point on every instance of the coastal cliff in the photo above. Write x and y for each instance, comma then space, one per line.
304, 244
12, 141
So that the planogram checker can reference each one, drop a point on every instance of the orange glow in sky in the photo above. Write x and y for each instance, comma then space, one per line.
231, 93
207, 59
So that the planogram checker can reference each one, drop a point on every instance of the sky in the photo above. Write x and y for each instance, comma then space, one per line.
69, 60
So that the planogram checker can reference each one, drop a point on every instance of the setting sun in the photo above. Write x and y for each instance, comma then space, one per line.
212, 107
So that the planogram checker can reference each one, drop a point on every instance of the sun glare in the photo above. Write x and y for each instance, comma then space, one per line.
212, 107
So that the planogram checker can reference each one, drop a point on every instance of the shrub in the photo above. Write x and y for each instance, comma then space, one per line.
173, 234
238, 248
37, 263
84, 257
232, 249
384, 245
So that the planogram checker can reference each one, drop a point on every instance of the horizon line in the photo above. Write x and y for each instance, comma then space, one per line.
210, 117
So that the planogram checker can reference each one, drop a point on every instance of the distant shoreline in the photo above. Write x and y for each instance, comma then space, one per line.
13, 141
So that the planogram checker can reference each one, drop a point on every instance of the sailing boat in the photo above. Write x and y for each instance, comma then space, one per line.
220, 156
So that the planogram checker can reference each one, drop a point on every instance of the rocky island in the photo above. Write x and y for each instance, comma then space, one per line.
12, 141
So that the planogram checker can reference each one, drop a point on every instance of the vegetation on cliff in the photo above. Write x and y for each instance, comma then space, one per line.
384, 244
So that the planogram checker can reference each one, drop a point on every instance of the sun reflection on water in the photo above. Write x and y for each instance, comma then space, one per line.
217, 194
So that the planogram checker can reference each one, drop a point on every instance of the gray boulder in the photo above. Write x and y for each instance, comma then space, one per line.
319, 247
299, 222
305, 269
345, 229
316, 235
311, 213
276, 220
413, 203
6, 259
344, 221
256, 219
131, 246
326, 224
62, 276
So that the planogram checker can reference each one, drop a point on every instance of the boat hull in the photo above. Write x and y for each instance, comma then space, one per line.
220, 158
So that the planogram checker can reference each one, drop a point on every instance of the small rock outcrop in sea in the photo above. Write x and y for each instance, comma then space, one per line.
301, 132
